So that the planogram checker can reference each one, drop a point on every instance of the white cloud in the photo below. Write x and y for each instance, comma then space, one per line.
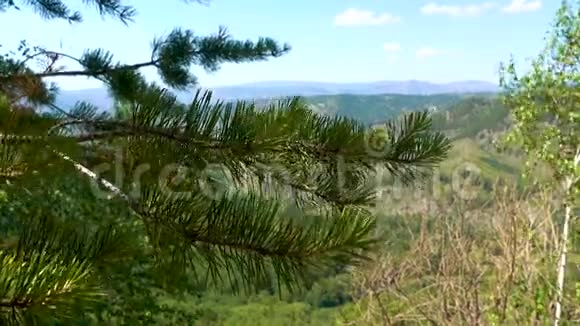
427, 52
353, 17
392, 47
518, 6
434, 8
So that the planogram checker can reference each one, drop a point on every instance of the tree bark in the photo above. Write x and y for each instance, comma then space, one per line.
562, 265
569, 183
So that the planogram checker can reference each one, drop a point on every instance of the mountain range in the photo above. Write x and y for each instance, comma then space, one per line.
293, 88
275, 89
469, 113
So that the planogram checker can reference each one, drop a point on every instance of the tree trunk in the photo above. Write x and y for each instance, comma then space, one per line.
564, 252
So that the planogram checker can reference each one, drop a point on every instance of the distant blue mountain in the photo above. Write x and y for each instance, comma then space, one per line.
274, 89
290, 88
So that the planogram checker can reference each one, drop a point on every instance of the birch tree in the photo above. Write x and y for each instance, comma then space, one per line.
545, 105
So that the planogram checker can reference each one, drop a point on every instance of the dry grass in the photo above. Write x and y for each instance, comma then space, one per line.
490, 266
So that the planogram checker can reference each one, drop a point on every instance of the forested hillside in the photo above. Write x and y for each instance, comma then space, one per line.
476, 123
392, 209
366, 108
334, 295
372, 109
472, 116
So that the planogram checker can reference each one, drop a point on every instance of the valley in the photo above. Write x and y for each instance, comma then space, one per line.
363, 163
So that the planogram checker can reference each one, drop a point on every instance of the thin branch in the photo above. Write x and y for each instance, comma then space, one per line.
97, 72
47, 53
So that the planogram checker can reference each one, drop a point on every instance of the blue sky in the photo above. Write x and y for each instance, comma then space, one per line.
332, 40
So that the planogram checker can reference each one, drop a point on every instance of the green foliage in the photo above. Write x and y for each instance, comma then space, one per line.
22, 91
42, 286
56, 9
261, 309
249, 235
545, 102
471, 116
162, 198
376, 109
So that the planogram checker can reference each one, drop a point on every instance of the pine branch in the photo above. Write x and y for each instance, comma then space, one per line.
290, 128
72, 240
19, 88
22, 154
43, 286
54, 9
172, 56
48, 218
289, 262
244, 237
281, 135
250, 141
248, 236
96, 73
311, 185
57, 9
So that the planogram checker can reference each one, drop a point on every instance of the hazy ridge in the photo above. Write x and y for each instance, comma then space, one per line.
275, 89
